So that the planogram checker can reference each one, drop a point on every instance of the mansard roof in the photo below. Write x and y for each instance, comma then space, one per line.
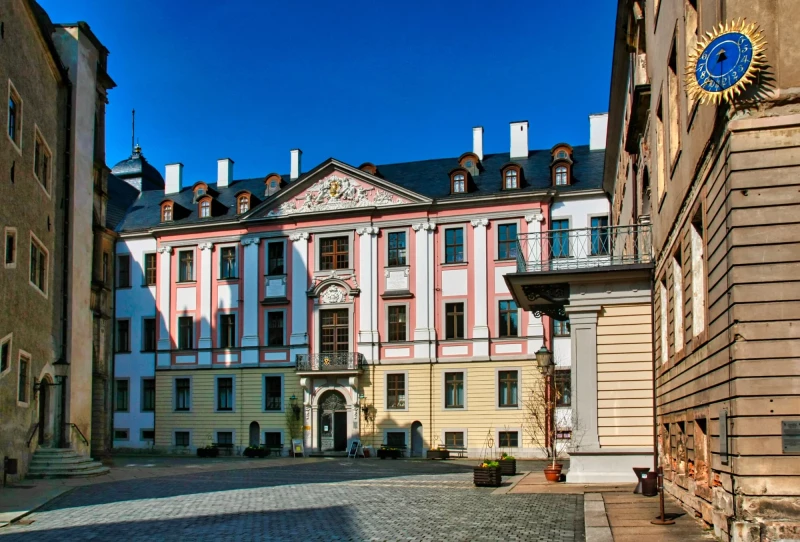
428, 179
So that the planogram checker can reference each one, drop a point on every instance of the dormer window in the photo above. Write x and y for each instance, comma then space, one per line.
470, 162
273, 184
244, 204
369, 167
511, 180
205, 208
459, 183
166, 211
561, 176
511, 175
561, 164
200, 190
561, 155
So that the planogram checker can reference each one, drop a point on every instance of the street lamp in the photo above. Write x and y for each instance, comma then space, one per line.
364, 407
544, 358
295, 407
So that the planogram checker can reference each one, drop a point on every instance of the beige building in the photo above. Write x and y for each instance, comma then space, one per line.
718, 183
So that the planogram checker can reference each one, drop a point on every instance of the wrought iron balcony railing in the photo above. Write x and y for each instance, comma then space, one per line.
330, 361
605, 246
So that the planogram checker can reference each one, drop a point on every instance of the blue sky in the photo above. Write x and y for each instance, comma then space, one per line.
360, 81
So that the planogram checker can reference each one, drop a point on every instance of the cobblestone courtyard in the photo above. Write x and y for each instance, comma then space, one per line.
328, 500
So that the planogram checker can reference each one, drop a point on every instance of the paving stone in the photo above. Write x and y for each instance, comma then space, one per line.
338, 500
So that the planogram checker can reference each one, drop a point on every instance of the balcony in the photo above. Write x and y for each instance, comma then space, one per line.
330, 362
587, 248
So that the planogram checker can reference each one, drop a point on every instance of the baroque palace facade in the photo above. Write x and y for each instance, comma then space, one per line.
352, 302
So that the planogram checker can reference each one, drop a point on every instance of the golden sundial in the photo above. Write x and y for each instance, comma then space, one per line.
725, 61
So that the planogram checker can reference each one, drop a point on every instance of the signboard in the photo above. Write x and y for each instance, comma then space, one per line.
355, 446
297, 448
790, 433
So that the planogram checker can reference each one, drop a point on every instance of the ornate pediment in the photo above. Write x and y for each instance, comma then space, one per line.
334, 192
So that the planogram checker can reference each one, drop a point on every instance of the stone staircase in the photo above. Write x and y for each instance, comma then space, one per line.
63, 463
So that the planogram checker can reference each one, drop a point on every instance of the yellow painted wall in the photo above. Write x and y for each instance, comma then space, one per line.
624, 376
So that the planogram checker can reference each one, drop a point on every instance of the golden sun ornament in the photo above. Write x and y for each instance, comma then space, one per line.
724, 62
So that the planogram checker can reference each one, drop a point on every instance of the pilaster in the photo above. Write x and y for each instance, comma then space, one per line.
298, 341
583, 324
250, 301
204, 341
535, 329
164, 305
480, 332
425, 329
368, 300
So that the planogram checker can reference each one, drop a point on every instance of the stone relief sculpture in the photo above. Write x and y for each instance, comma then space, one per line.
333, 294
332, 193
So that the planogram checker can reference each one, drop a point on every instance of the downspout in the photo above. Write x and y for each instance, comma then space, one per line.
655, 368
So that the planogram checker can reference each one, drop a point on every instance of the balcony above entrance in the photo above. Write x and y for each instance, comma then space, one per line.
330, 362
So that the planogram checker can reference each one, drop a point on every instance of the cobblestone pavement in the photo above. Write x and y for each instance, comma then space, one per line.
330, 500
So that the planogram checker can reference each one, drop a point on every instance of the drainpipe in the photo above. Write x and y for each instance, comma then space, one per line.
655, 368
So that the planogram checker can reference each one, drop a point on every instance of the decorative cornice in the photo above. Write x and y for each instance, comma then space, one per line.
251, 241
298, 236
479, 222
539, 217
164, 249
369, 230
205, 246
429, 226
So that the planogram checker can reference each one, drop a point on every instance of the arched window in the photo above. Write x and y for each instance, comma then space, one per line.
561, 155
244, 204
561, 176
166, 213
205, 209
511, 179
459, 183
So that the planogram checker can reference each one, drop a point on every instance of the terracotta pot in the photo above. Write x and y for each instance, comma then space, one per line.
553, 473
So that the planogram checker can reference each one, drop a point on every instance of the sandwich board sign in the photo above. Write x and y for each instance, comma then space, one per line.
297, 448
355, 447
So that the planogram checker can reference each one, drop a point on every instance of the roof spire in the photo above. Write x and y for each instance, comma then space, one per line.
133, 130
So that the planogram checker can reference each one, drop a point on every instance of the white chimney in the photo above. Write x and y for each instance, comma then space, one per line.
477, 141
173, 178
224, 172
295, 171
598, 124
519, 139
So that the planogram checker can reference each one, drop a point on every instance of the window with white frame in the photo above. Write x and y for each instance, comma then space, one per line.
121, 395
454, 439
185, 265
334, 253
454, 245
42, 160
454, 320
396, 439
185, 332
454, 389
506, 241
508, 439
224, 394
273, 393
23, 378
124, 271
5, 353
508, 388
508, 318
14, 116
275, 258
150, 269
397, 323
397, 248
148, 395
11, 247
396, 391
183, 394
228, 266
227, 330
275, 334
39, 263
123, 335
183, 438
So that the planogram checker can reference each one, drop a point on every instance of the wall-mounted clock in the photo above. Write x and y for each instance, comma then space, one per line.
724, 62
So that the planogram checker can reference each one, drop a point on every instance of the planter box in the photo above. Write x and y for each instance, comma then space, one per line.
487, 476
392, 454
508, 467
207, 452
438, 454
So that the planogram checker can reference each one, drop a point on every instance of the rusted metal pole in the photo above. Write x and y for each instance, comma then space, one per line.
663, 519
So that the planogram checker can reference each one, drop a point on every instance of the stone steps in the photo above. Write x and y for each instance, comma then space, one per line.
63, 463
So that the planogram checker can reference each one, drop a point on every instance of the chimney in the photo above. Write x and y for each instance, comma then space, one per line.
173, 178
519, 139
224, 172
477, 141
295, 171
598, 124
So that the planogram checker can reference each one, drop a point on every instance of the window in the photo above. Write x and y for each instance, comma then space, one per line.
561, 328
509, 386
14, 117
225, 394
273, 391
396, 391
698, 274
38, 266
397, 323
182, 438
227, 263
335, 336
185, 266
453, 245
396, 439
454, 439
123, 336
149, 335
22, 379
454, 322
459, 183
692, 27
106, 267
124, 271
273, 439
185, 332
511, 180
508, 439
677, 300
663, 322
397, 248
205, 209
150, 268
11, 247
244, 204
454, 390
660, 171
674, 106
275, 328
275, 258
559, 238
166, 213
600, 237
563, 388
148, 434
561, 155
334, 253
121, 434
227, 331
121, 396
561, 176
5, 354
183, 394
508, 319
507, 241
148, 395
41, 161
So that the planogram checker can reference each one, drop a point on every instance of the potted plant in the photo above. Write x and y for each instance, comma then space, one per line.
255, 451
487, 474
208, 451
390, 452
508, 464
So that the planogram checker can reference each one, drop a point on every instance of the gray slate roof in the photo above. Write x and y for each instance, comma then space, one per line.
430, 178
121, 196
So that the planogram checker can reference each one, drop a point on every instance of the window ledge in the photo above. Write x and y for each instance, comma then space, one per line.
454, 264
396, 294
275, 301
185, 282
228, 279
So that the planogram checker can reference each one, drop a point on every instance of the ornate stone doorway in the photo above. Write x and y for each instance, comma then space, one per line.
332, 422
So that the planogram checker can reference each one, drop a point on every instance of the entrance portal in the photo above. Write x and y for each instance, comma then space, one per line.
255, 434
416, 439
44, 403
332, 422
